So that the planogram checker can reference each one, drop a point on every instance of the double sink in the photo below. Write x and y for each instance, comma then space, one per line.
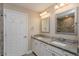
57, 41
63, 42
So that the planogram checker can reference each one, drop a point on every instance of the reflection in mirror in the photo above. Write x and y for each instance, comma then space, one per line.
66, 22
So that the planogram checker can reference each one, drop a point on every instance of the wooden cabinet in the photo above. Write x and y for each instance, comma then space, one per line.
43, 49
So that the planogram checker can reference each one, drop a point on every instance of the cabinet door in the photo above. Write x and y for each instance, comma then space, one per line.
44, 51
40, 48
36, 47
55, 51
58, 52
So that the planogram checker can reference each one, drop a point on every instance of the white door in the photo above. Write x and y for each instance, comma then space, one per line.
15, 33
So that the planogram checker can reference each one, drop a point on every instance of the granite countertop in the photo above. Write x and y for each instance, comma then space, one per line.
70, 47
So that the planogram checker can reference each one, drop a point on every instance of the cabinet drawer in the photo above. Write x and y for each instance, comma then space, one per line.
58, 52
62, 52
43, 49
35, 46
54, 50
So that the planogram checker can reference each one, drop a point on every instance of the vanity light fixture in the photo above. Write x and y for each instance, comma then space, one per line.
45, 16
56, 7
43, 13
59, 5
62, 4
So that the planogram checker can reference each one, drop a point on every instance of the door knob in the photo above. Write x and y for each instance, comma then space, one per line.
25, 36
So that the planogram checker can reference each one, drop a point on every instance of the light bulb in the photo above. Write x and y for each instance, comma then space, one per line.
45, 16
43, 13
56, 7
62, 4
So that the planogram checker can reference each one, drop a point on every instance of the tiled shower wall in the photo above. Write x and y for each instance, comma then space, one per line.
1, 29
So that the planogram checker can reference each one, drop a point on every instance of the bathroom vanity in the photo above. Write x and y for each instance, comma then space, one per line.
65, 24
46, 46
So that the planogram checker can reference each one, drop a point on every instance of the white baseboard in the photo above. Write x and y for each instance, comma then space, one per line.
29, 52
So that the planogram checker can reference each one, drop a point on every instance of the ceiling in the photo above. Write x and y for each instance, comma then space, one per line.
38, 7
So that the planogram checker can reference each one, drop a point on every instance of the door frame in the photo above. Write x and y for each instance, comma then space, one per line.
4, 13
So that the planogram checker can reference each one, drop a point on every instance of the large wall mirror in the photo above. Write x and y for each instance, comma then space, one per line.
66, 22
45, 25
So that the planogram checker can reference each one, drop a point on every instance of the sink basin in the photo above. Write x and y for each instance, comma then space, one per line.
58, 43
40, 37
45, 39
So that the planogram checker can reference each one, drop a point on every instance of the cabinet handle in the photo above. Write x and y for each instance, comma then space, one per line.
25, 36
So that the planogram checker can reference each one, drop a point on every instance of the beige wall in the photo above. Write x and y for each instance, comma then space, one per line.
52, 11
33, 19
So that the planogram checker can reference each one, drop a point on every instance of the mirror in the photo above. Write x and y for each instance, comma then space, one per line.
45, 25
66, 22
